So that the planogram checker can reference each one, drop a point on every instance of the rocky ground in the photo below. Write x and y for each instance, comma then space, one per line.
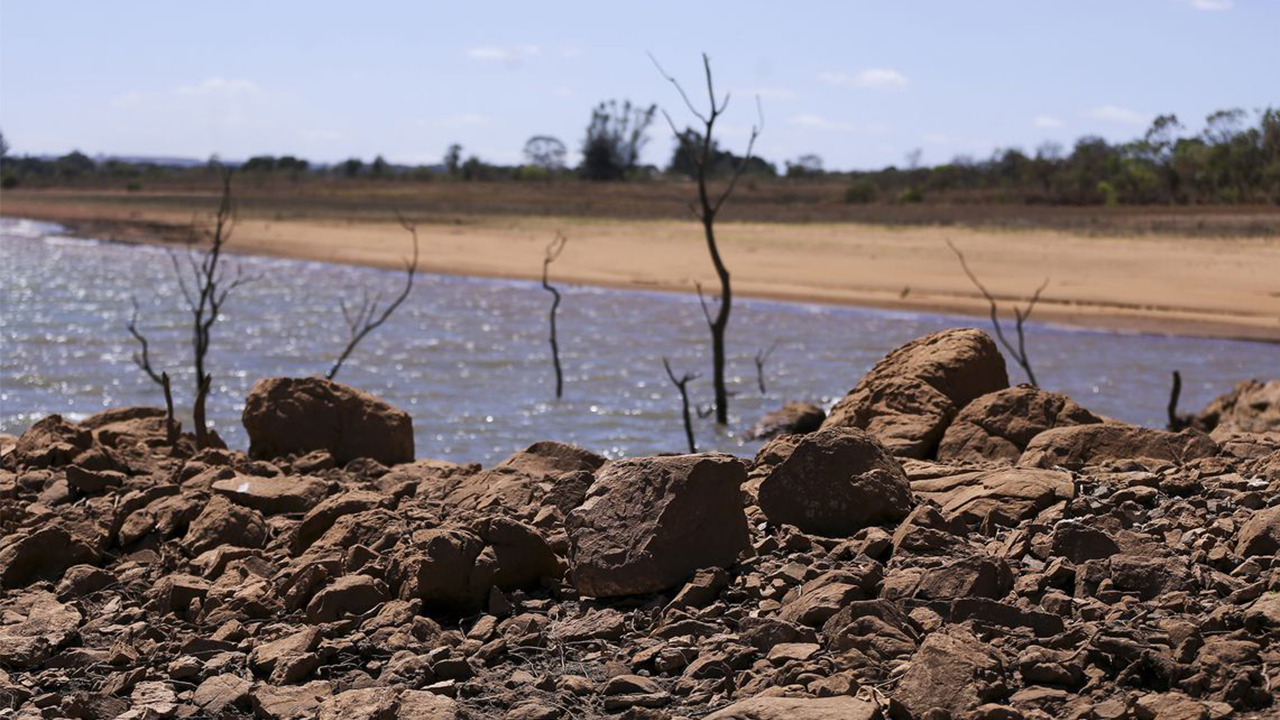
944, 546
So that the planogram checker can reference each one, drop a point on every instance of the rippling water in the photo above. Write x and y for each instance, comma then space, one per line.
468, 357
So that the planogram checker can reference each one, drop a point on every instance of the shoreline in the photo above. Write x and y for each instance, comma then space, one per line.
901, 269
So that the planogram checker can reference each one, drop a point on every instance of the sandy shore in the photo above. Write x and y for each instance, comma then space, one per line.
1214, 287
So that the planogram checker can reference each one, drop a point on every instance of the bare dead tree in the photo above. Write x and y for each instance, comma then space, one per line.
552, 252
701, 150
205, 285
142, 358
682, 384
370, 314
1176, 422
206, 293
1020, 315
761, 358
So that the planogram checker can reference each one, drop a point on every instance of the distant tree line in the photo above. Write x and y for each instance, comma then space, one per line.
1232, 161
1229, 162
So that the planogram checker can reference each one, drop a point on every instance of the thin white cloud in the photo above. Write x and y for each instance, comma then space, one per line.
462, 120
1119, 115
512, 54
562, 92
1046, 122
818, 122
220, 86
1211, 5
320, 136
570, 53
879, 78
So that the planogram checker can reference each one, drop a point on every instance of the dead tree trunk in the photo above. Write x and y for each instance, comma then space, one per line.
368, 316
553, 251
170, 424
206, 297
761, 358
197, 412
1176, 422
682, 384
702, 153
1020, 315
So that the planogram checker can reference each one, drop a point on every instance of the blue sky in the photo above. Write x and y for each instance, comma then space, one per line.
861, 83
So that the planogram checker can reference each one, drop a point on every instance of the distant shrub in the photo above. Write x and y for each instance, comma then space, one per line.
532, 173
861, 192
1108, 193
9, 181
133, 186
911, 195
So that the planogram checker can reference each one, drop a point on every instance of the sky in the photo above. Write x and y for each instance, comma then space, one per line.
861, 83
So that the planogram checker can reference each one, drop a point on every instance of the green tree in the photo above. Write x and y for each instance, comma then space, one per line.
615, 137
352, 167
453, 159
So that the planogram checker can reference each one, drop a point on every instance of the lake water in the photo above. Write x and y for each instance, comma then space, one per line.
468, 357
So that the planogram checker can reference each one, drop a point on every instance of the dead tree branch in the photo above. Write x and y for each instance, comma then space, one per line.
682, 384
1020, 315
761, 358
552, 252
370, 315
142, 358
709, 206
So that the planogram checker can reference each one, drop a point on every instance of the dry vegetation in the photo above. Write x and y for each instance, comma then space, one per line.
782, 201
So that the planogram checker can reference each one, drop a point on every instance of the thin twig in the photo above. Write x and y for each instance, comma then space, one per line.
682, 384
369, 317
761, 358
1021, 315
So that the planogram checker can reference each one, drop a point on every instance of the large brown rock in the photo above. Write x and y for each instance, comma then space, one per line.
792, 418
841, 707
1252, 406
51, 441
446, 570
953, 670
272, 495
28, 556
119, 427
1082, 446
835, 482
544, 474
222, 522
294, 416
649, 523
1260, 535
999, 425
1003, 497
35, 626
909, 397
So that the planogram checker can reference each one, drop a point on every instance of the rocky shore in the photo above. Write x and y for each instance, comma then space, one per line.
942, 546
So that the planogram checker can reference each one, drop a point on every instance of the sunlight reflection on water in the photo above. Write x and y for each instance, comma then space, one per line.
468, 357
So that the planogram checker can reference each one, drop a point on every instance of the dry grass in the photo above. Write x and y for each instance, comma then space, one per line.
776, 201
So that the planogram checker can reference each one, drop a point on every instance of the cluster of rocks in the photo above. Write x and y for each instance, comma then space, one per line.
943, 546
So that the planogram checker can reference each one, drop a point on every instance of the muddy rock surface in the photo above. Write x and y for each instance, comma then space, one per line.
1125, 576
